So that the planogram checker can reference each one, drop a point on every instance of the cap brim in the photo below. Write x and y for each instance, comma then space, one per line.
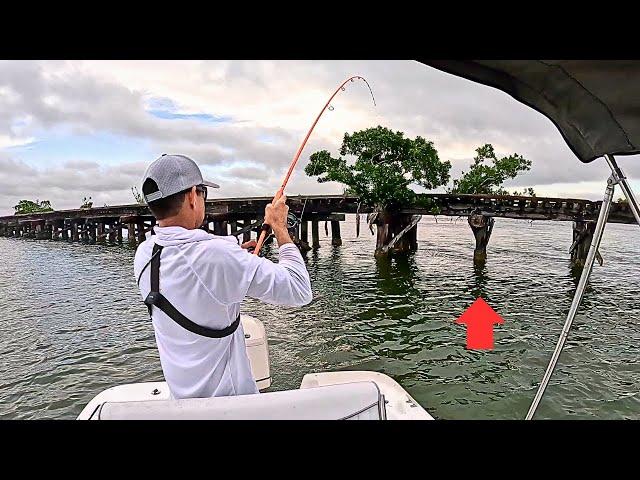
211, 184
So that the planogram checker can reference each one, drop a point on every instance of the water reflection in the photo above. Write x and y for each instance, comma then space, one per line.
397, 274
478, 288
575, 272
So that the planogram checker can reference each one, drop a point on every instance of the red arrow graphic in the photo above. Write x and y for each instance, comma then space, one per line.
480, 319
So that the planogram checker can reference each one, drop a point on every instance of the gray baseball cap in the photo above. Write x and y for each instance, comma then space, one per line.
173, 174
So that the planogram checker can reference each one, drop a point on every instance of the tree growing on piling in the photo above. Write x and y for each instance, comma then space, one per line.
137, 196
86, 203
29, 206
488, 173
382, 167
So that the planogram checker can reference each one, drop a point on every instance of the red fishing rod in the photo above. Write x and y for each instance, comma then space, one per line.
265, 227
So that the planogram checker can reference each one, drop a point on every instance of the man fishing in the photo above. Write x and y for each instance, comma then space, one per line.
193, 283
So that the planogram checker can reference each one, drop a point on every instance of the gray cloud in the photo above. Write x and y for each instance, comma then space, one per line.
458, 115
248, 173
65, 186
81, 165
90, 105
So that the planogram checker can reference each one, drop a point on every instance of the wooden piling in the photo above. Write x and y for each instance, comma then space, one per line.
53, 226
481, 226
92, 228
336, 240
315, 233
246, 236
74, 232
131, 233
304, 233
140, 231
382, 236
112, 232
220, 228
412, 238
101, 236
582, 237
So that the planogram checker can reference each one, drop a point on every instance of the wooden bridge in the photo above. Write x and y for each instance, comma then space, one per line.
228, 216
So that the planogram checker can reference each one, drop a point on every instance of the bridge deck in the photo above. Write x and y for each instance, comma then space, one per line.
525, 208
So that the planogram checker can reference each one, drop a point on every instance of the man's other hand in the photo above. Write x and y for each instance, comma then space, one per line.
275, 215
250, 245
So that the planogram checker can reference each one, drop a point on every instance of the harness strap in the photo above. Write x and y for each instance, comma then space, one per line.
156, 299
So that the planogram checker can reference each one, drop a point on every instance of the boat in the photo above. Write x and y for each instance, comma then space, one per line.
339, 395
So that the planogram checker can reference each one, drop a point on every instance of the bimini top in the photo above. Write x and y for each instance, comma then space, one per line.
594, 103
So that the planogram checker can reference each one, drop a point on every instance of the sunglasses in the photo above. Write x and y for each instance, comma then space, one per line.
203, 189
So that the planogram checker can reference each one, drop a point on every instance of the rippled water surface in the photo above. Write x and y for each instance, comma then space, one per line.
73, 322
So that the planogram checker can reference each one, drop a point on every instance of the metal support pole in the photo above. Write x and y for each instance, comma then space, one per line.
577, 298
621, 179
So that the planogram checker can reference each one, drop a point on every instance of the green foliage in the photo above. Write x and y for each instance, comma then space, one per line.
427, 204
527, 192
488, 173
386, 164
28, 206
86, 203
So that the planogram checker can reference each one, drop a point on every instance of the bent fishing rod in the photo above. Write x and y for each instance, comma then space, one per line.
266, 227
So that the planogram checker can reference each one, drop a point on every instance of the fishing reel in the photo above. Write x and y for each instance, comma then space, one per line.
292, 221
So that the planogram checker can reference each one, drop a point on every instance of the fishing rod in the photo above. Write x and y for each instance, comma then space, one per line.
266, 227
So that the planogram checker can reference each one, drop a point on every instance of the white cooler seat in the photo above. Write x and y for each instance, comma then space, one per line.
348, 401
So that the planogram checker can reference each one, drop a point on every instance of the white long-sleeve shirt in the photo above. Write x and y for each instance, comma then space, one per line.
206, 277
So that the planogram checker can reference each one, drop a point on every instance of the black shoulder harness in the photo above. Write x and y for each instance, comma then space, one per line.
156, 299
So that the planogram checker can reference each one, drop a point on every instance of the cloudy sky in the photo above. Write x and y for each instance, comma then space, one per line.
70, 129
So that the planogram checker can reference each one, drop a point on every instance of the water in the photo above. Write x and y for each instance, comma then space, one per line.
73, 323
